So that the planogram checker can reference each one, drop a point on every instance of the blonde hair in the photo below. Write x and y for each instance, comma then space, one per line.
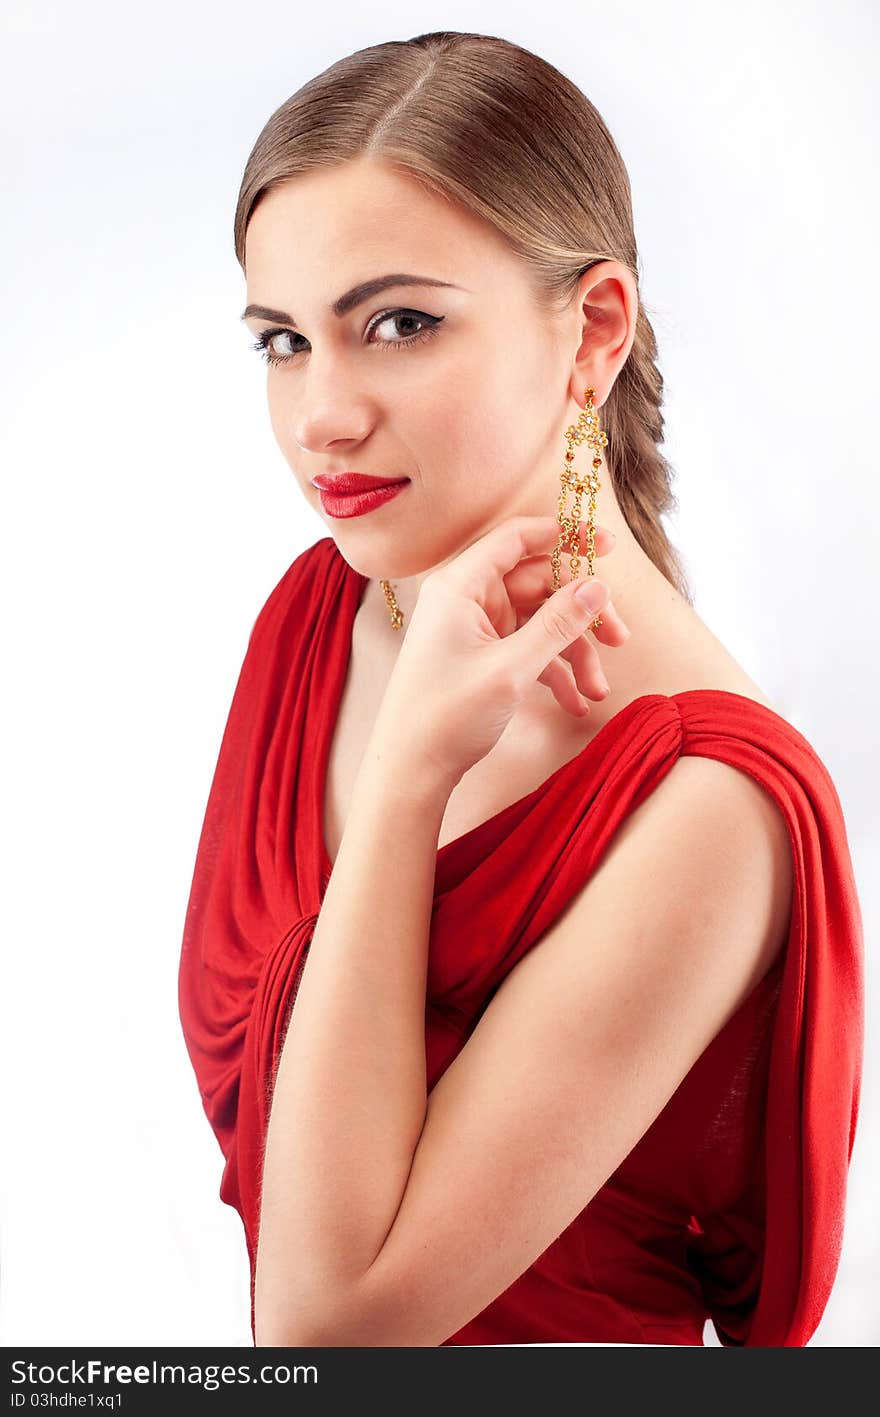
485, 123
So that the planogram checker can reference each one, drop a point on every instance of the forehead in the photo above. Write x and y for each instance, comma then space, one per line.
331, 227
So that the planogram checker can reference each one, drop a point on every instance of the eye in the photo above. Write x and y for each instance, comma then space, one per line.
428, 323
264, 343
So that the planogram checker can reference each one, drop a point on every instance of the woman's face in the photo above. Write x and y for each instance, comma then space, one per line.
465, 387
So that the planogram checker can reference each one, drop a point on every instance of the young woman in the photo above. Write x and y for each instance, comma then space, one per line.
524, 1010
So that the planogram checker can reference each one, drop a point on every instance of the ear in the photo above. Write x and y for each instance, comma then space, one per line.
606, 309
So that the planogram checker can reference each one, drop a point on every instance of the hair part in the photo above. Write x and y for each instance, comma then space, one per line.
482, 122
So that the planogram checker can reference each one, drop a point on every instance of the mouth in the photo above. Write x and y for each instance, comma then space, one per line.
345, 484
353, 494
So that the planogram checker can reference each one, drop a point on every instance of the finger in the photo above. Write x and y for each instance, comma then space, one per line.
560, 682
559, 679
531, 582
476, 569
604, 541
613, 631
586, 665
539, 569
557, 622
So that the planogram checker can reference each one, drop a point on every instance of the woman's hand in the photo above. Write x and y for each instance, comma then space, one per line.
485, 628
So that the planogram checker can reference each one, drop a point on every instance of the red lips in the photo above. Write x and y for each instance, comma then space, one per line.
344, 484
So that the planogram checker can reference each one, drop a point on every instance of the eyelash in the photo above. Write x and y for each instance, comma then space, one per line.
262, 343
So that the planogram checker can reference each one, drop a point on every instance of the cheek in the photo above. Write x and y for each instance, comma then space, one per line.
280, 421
473, 416
493, 438
463, 448
474, 469
501, 410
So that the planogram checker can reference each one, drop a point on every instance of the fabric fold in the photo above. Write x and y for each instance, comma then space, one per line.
815, 1063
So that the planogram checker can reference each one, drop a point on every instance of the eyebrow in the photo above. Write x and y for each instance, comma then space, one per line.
351, 298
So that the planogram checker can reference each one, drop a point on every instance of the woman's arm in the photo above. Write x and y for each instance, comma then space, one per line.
351, 1094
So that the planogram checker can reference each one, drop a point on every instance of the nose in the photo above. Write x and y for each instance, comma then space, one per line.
322, 434
327, 410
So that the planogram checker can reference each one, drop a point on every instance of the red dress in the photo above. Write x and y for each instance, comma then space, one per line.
731, 1206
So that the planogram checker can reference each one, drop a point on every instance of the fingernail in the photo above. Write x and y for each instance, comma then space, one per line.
591, 593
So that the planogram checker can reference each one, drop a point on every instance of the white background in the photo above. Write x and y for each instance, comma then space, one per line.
148, 512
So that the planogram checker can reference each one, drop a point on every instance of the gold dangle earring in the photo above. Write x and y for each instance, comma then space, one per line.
391, 601
585, 430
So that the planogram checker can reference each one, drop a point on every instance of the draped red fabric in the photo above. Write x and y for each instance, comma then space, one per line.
731, 1205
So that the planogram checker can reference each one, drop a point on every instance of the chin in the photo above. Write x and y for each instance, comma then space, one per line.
382, 568
395, 563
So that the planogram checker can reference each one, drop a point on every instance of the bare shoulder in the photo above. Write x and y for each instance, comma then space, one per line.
750, 840
710, 825
695, 658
